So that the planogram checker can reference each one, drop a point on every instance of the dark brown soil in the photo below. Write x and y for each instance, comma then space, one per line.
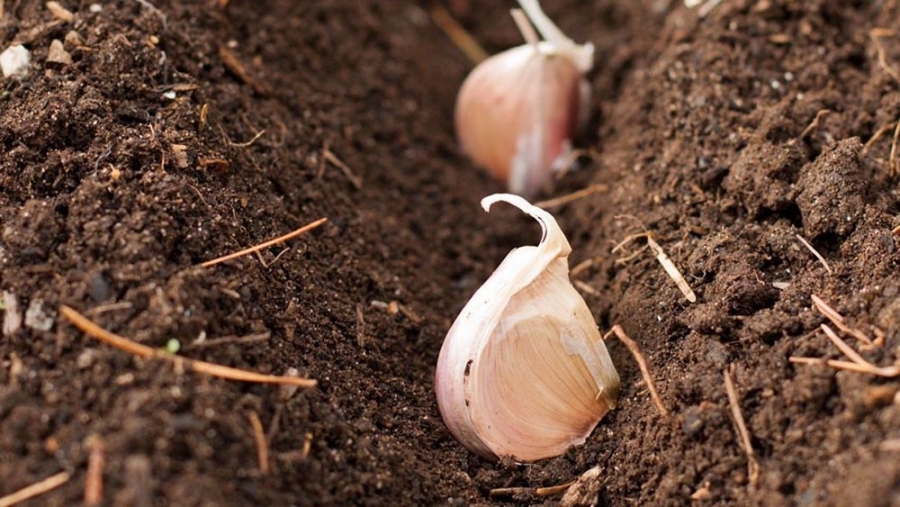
114, 186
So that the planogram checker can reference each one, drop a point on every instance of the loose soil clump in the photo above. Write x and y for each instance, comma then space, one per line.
148, 138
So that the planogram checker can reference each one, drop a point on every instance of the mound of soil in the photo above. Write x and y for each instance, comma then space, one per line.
171, 133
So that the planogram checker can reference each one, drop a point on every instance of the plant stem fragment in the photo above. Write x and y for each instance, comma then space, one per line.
215, 370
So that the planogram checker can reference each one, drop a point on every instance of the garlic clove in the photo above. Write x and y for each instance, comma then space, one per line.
523, 371
517, 112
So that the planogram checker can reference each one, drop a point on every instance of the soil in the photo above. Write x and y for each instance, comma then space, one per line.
182, 131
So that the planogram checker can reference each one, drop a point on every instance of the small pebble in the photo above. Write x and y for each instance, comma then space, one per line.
12, 319
14, 61
58, 54
36, 318
72, 40
60, 12
86, 359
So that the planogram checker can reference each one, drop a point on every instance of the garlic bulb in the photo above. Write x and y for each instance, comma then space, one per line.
523, 371
517, 112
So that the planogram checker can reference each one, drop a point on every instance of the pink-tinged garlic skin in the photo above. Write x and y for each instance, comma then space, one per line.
523, 371
517, 112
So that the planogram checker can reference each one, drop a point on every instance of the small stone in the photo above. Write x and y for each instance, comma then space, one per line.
15, 60
73, 40
86, 359
584, 492
58, 53
12, 319
100, 288
60, 12
36, 318
95, 8
180, 155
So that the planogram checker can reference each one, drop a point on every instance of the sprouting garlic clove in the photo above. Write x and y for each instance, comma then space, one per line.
517, 112
523, 371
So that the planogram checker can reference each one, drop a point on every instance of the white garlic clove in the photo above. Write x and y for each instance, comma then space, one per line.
517, 112
523, 371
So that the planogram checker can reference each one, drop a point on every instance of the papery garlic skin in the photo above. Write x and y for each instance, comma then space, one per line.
524, 372
518, 111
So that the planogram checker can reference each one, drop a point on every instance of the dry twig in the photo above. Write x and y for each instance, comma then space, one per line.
815, 253
307, 444
838, 320
585, 288
215, 370
329, 156
875, 137
262, 445
234, 64
892, 158
250, 338
877, 34
574, 196
815, 123
38, 488
457, 34
110, 307
539, 492
856, 364
249, 143
584, 265
671, 270
280, 239
635, 350
744, 434
93, 480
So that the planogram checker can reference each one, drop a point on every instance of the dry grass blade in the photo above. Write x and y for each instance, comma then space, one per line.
355, 180
215, 342
875, 137
281, 239
262, 445
838, 320
38, 488
574, 196
234, 64
892, 445
743, 432
249, 143
457, 34
672, 270
867, 367
843, 347
877, 34
886, 372
635, 350
661, 256
584, 265
538, 492
93, 479
815, 253
215, 370
587, 289
892, 158
307, 444
856, 364
815, 123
